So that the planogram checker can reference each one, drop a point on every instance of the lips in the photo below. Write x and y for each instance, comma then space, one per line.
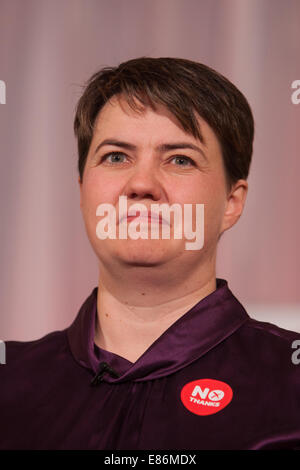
145, 217
149, 216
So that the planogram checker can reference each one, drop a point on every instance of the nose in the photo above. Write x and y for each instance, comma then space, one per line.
144, 183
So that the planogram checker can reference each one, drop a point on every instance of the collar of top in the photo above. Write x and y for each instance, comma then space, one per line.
200, 329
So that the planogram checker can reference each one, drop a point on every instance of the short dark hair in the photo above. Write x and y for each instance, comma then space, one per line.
185, 87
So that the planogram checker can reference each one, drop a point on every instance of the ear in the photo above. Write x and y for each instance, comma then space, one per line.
235, 204
80, 189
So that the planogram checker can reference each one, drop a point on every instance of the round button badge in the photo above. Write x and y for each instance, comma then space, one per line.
206, 396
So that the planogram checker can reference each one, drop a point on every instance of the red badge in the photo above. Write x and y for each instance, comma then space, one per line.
206, 396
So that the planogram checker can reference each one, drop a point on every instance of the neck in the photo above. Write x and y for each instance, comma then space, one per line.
135, 309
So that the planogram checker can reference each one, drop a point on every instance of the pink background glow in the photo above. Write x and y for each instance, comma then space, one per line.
48, 49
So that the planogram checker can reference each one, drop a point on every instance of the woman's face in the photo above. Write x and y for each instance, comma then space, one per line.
154, 162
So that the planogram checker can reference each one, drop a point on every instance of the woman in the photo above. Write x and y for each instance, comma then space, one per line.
161, 354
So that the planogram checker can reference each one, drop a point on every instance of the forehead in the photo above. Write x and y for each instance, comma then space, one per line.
146, 125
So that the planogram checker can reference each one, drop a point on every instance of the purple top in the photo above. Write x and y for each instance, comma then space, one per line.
215, 379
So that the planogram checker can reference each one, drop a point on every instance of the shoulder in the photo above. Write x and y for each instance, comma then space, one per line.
33, 355
44, 345
271, 351
269, 332
34, 368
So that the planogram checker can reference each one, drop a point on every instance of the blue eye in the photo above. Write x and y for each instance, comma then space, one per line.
115, 157
184, 159
119, 157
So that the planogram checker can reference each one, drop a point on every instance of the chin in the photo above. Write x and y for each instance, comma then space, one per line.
139, 252
144, 256
144, 252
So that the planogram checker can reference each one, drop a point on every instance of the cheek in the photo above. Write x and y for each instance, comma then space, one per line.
213, 212
97, 190
207, 191
211, 193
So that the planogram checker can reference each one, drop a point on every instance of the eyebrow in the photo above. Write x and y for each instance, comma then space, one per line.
160, 148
